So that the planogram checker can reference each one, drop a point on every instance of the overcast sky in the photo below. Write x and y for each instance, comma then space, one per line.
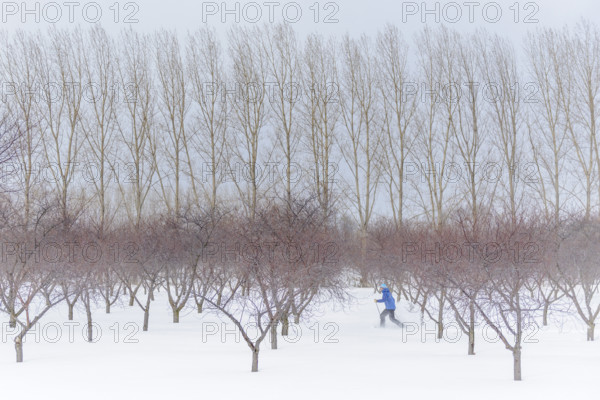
353, 16
511, 18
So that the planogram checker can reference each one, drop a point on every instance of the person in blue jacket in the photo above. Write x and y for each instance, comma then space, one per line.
390, 306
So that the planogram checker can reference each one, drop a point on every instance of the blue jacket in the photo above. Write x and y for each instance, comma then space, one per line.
390, 304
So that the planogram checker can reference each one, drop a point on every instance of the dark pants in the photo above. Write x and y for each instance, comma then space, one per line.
392, 318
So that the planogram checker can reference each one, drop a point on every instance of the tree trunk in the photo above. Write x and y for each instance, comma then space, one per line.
517, 363
364, 280
175, 316
471, 329
90, 330
147, 312
199, 304
471, 341
545, 314
285, 324
131, 299
19, 349
107, 307
71, 306
590, 331
12, 321
146, 318
274, 337
255, 360
440, 329
440, 323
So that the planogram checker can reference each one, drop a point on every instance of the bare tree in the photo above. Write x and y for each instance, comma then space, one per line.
143, 259
18, 66
436, 121
173, 89
27, 280
578, 276
98, 121
250, 112
61, 71
136, 125
321, 113
503, 302
206, 70
582, 47
507, 117
361, 143
281, 50
398, 117
548, 132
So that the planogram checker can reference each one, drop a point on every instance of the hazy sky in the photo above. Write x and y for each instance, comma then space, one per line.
354, 16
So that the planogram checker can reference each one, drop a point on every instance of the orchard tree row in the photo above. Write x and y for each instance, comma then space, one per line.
273, 269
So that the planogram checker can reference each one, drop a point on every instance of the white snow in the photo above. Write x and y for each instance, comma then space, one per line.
173, 360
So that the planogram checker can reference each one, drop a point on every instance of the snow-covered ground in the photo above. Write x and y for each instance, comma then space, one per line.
339, 354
